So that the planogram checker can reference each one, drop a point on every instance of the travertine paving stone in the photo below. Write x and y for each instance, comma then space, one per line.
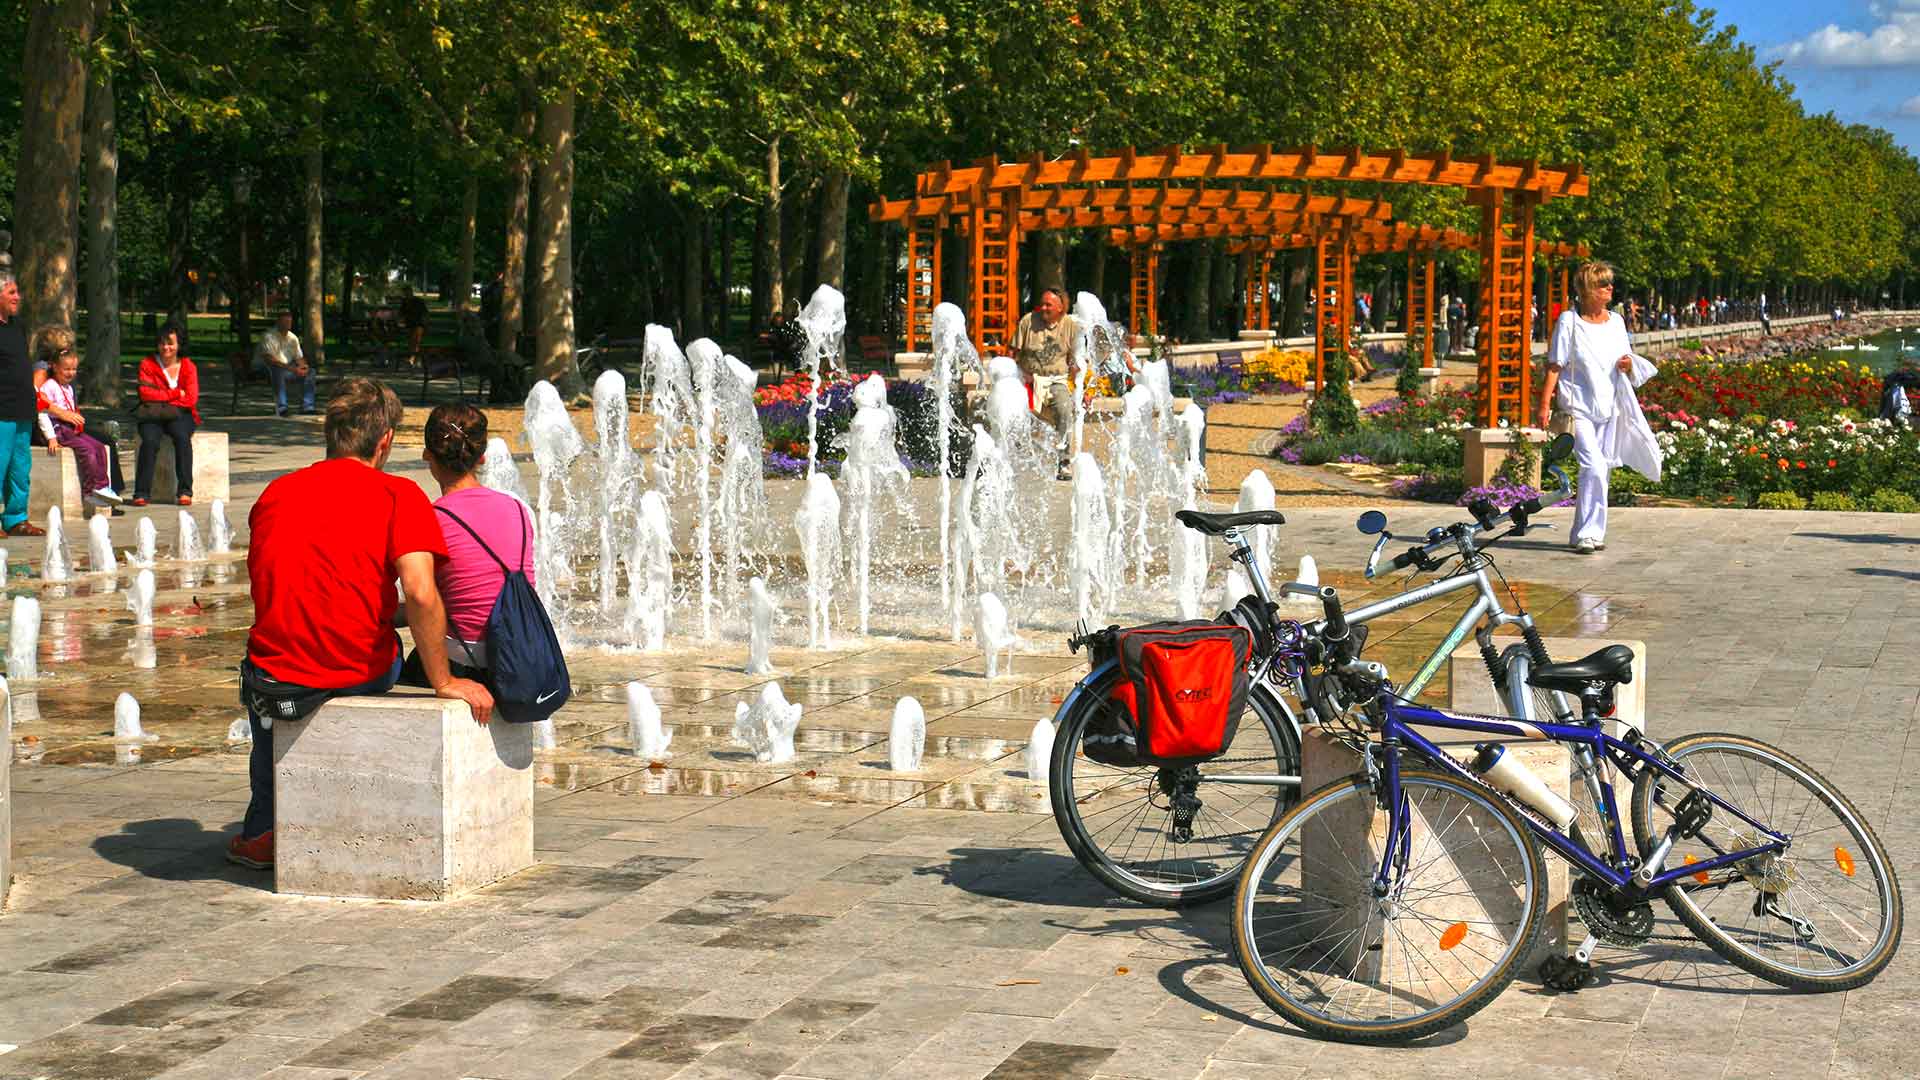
720, 918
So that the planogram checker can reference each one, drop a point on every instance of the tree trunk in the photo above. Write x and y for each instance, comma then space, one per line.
347, 275
723, 311
314, 340
1295, 271
770, 242
513, 262
103, 260
693, 274
241, 319
47, 183
794, 248
1050, 263
1199, 268
833, 229
1097, 273
553, 247
760, 299
462, 287
179, 235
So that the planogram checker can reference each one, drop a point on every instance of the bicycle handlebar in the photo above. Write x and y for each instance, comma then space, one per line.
1422, 555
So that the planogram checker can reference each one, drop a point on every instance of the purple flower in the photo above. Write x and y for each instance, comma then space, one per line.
1384, 405
1295, 426
1289, 455
1500, 493
1355, 459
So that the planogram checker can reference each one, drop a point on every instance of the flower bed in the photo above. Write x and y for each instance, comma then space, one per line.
1270, 371
783, 421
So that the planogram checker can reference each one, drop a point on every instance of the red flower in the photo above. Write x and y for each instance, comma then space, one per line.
1831, 463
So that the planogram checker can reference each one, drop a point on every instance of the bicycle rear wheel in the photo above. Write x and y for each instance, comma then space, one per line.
1465, 904
1120, 822
1825, 914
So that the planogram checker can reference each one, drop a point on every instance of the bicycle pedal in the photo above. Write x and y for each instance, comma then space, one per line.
1565, 974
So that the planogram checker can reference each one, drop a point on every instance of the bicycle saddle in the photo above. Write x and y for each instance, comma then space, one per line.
1612, 665
1215, 524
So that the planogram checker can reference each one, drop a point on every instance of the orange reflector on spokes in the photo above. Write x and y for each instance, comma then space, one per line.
1454, 935
1698, 875
1844, 860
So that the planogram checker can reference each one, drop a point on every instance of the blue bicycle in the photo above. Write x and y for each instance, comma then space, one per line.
1400, 900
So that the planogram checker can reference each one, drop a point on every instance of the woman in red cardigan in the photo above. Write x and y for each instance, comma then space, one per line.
169, 408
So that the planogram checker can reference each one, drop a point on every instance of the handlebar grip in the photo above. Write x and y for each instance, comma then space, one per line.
1406, 558
1336, 618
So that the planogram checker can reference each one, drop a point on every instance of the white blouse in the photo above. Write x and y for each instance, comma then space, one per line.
1586, 354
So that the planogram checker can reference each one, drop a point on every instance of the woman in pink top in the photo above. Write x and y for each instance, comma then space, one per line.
470, 578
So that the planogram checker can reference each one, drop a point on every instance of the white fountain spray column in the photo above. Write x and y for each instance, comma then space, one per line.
824, 320
556, 442
499, 471
187, 545
1187, 554
1092, 536
767, 726
219, 529
644, 731
907, 738
650, 574
1098, 343
953, 354
1134, 450
818, 524
146, 542
1040, 750
1256, 493
993, 633
615, 461
54, 565
764, 611
140, 598
741, 513
126, 720
873, 463
704, 359
100, 558
23, 639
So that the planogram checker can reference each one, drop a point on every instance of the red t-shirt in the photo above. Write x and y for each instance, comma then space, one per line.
323, 556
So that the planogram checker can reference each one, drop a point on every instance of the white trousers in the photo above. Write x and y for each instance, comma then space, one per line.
1592, 441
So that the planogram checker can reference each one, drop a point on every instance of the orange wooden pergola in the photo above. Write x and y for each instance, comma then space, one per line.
995, 201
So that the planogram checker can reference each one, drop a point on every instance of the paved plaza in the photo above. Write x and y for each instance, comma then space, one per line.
828, 918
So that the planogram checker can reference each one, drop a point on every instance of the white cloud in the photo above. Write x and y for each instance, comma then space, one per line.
1909, 107
1893, 43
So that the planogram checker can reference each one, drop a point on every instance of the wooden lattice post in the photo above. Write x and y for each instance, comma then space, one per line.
924, 250
1144, 294
1505, 344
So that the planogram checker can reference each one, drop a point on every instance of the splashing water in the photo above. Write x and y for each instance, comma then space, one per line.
1093, 572
1187, 552
100, 557
146, 541
645, 733
953, 356
1256, 493
760, 637
240, 731
1040, 751
555, 441
824, 320
818, 524
126, 720
650, 574
704, 359
1308, 574
741, 510
615, 490
499, 471
54, 565
992, 633
140, 598
872, 466
187, 545
140, 649
23, 639
907, 738
219, 529
767, 726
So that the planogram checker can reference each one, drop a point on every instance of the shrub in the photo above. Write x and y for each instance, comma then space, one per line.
1382, 446
1624, 487
1407, 382
1833, 500
1780, 500
1441, 486
1889, 501
1333, 411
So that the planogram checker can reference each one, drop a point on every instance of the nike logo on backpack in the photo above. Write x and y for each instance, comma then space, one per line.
541, 700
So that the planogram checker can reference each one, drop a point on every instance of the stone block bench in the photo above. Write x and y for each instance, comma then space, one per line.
400, 797
56, 478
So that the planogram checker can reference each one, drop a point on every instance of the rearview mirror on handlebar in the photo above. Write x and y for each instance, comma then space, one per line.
1372, 522
1560, 448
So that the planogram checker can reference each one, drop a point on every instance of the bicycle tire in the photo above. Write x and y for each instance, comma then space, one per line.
1789, 874
1491, 817
1268, 739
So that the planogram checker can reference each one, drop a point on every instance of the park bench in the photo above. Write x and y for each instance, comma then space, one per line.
400, 797
56, 479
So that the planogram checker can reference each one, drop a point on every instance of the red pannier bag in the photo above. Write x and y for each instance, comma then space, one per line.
1188, 685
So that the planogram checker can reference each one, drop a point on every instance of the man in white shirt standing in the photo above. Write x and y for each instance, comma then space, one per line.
280, 351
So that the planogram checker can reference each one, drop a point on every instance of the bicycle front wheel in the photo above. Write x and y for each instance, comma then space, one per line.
1825, 914
1171, 836
1466, 896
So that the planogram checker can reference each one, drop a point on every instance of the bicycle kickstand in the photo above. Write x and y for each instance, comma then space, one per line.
1568, 974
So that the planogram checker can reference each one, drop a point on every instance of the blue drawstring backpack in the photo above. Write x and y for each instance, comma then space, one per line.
527, 672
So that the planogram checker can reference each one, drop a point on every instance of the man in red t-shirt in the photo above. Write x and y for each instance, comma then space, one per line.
327, 543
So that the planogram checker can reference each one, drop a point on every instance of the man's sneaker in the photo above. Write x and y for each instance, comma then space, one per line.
106, 496
255, 854
1586, 547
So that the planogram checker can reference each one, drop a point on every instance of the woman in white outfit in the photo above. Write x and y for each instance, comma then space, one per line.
1589, 344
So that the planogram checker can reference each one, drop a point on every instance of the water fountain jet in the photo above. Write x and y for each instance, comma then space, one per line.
644, 731
907, 738
23, 639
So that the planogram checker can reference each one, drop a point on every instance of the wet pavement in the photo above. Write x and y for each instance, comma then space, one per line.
714, 916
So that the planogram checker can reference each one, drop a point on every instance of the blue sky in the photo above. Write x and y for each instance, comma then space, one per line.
1858, 59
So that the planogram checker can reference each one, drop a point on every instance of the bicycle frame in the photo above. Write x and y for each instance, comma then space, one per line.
1486, 607
1397, 731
